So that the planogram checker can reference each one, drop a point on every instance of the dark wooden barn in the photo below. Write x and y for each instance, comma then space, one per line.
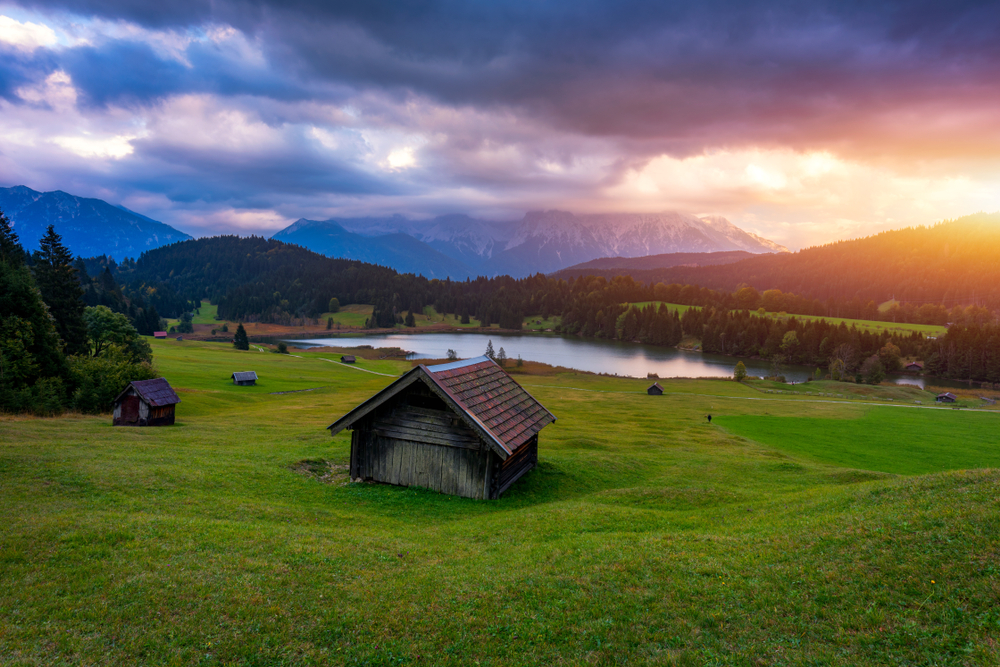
347, 359
464, 428
655, 389
946, 397
915, 367
159, 334
146, 403
245, 378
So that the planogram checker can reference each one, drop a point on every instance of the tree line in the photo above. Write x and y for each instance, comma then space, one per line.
56, 352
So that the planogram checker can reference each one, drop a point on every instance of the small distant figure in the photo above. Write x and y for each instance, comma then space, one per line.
709, 418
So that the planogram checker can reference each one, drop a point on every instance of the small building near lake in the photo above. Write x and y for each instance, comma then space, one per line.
655, 389
946, 397
145, 403
915, 367
347, 359
159, 334
464, 428
245, 378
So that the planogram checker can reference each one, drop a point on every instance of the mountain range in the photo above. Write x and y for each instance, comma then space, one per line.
89, 227
455, 246
542, 241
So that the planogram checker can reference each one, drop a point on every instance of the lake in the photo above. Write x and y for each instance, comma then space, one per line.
585, 354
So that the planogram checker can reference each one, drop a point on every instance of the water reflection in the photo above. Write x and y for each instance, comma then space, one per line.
597, 356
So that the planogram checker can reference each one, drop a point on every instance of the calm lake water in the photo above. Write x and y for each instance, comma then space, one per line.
596, 356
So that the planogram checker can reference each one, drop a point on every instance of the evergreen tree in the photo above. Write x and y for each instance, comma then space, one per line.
410, 321
240, 340
740, 373
489, 350
60, 287
10, 246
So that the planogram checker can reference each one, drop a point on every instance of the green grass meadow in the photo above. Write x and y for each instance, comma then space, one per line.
792, 530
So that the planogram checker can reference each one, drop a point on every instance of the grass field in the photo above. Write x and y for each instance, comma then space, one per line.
789, 531
680, 308
873, 325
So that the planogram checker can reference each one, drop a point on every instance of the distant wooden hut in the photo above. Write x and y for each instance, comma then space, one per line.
946, 397
347, 359
915, 366
655, 389
159, 334
145, 403
180, 338
465, 428
245, 378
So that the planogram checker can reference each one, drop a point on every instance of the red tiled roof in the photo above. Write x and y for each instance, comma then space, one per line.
156, 392
481, 388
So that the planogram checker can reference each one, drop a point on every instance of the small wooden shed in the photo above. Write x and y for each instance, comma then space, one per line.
655, 389
159, 334
914, 367
464, 428
245, 378
946, 397
145, 403
347, 359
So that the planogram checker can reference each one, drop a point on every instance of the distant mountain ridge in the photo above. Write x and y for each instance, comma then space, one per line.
89, 227
545, 241
612, 266
399, 251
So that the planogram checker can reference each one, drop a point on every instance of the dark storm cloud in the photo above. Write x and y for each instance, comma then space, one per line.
19, 69
681, 76
131, 72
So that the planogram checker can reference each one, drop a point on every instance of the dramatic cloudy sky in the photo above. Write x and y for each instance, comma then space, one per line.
802, 121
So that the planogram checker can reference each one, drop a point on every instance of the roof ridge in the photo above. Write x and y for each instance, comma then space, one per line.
452, 365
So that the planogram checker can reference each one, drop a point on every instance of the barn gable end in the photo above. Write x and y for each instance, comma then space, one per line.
465, 428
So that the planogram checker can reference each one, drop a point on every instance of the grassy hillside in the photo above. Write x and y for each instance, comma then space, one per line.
646, 536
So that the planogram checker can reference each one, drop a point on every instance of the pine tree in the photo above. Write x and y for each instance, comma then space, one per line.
60, 287
240, 340
10, 246
489, 350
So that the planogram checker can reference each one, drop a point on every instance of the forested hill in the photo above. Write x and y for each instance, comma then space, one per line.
612, 266
951, 263
265, 279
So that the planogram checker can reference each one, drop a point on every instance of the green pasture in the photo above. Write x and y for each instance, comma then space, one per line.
206, 315
680, 308
792, 530
352, 315
873, 326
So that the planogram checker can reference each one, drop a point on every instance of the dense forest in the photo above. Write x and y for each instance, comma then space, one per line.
928, 269
56, 351
260, 279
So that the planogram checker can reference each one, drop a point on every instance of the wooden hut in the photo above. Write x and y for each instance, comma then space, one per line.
655, 389
465, 428
159, 334
245, 378
915, 367
946, 397
347, 359
145, 403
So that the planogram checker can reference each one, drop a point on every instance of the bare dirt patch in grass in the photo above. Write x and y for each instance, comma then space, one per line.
323, 471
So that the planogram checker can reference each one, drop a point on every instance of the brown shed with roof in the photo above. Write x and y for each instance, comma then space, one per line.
464, 428
655, 389
145, 403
